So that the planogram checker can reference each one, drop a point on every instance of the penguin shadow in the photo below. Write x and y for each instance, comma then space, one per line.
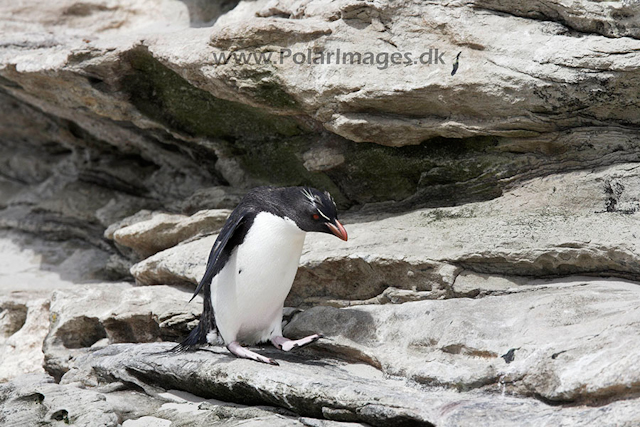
301, 356
352, 324
307, 355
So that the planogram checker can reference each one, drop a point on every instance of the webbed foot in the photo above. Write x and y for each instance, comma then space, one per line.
286, 344
244, 353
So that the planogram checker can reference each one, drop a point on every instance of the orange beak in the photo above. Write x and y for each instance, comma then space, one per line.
338, 230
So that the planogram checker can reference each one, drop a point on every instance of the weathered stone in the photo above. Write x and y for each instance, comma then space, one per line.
327, 388
110, 109
611, 19
161, 230
211, 198
186, 409
271, 31
470, 284
510, 112
567, 224
12, 318
84, 317
140, 216
320, 278
30, 270
310, 390
23, 327
86, 184
171, 267
38, 400
559, 343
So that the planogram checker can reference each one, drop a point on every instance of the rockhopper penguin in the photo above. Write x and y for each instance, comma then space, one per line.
252, 265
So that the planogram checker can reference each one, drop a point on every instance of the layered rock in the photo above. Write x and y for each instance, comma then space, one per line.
161, 231
576, 223
157, 96
325, 388
492, 207
546, 340
93, 316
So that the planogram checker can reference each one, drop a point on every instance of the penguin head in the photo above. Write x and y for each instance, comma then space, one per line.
315, 210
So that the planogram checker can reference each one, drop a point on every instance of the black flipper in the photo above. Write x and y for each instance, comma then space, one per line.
232, 234
220, 253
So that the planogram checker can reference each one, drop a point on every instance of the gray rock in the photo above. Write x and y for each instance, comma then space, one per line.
169, 266
320, 278
561, 347
23, 326
12, 318
186, 409
140, 216
111, 313
611, 19
160, 231
307, 389
38, 400
518, 106
322, 387
106, 111
563, 224
211, 198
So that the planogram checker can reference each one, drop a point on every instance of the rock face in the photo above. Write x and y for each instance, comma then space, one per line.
161, 231
572, 223
322, 388
146, 108
545, 339
484, 156
92, 316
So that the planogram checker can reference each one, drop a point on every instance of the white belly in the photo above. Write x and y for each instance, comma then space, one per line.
249, 293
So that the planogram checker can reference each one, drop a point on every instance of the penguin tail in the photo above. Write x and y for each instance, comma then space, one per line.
201, 334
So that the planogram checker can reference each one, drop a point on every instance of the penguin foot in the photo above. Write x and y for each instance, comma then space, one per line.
244, 353
285, 344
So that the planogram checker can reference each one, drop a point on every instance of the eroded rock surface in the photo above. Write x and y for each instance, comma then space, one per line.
162, 231
550, 91
325, 388
23, 327
491, 275
38, 400
548, 340
562, 224
112, 313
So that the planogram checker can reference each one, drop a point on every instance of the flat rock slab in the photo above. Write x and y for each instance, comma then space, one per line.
325, 389
572, 340
158, 230
303, 384
36, 400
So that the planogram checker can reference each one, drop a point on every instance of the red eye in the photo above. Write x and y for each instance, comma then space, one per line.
316, 216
